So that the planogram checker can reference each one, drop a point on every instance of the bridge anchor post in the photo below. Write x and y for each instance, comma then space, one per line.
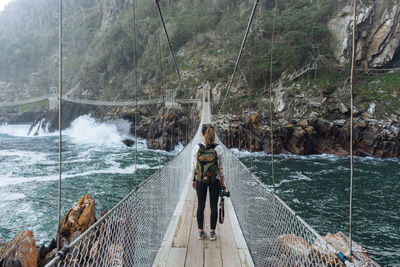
53, 102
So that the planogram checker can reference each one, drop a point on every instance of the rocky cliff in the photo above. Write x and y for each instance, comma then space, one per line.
206, 36
378, 34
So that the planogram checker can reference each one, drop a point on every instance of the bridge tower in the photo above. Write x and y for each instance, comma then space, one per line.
53, 98
170, 99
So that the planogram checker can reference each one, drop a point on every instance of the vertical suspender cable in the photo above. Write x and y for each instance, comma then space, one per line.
251, 143
159, 54
351, 126
240, 53
170, 45
59, 121
136, 86
271, 114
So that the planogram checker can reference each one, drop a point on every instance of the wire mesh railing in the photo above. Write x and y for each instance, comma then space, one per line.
274, 234
130, 234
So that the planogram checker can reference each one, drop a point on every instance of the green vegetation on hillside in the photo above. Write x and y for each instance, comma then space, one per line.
206, 36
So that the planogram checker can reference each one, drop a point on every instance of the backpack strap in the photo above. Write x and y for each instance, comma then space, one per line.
201, 146
213, 146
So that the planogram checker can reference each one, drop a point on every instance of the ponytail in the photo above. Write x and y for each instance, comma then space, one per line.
209, 136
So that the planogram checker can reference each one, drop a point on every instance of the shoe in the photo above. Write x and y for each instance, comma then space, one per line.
201, 235
213, 236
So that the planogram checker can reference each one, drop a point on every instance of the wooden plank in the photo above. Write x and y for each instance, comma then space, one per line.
229, 253
212, 257
195, 251
243, 250
191, 194
182, 233
176, 257
163, 252
245, 257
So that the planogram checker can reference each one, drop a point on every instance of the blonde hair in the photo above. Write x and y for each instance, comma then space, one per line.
209, 136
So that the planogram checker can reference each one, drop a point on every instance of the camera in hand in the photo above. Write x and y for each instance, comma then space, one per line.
224, 193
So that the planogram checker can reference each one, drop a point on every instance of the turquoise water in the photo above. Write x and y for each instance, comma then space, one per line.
95, 162
317, 188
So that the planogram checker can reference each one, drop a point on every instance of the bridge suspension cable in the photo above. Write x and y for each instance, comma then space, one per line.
271, 114
60, 41
240, 53
170, 46
136, 86
353, 56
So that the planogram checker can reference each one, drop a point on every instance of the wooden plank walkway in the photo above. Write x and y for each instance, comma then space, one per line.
229, 249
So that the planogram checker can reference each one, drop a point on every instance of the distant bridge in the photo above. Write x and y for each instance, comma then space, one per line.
53, 101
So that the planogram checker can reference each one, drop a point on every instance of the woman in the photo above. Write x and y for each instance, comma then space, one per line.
206, 168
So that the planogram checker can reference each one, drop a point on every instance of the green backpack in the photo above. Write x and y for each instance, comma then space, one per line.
207, 164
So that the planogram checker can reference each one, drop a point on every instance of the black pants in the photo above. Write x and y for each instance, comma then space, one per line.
201, 189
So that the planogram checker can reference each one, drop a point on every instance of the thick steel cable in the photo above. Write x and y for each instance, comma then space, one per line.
240, 53
271, 114
170, 46
60, 45
353, 56
136, 87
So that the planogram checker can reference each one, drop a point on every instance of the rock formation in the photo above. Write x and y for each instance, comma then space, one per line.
305, 137
378, 34
78, 219
21, 251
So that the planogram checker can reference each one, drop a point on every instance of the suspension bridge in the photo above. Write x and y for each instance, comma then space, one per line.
53, 101
154, 225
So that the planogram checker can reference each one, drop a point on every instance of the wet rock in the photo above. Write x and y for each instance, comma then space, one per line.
294, 245
21, 251
78, 219
49, 121
26, 117
360, 255
128, 142
371, 137
43, 254
168, 129
343, 108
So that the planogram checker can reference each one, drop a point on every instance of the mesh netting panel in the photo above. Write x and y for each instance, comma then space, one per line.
131, 233
274, 234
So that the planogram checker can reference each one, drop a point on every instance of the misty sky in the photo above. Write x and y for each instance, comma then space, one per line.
3, 3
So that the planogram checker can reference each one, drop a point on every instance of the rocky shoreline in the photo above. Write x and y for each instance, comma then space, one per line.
374, 138
164, 128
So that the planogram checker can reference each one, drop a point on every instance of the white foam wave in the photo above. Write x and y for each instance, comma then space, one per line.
296, 176
300, 176
12, 196
28, 157
20, 130
246, 153
115, 169
86, 130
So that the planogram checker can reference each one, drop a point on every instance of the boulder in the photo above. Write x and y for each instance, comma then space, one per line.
21, 251
78, 219
294, 245
128, 142
44, 254
359, 254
